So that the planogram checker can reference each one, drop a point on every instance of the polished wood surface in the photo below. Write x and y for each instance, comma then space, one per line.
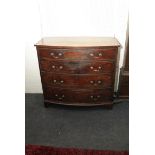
78, 41
101, 53
92, 96
77, 81
82, 75
77, 66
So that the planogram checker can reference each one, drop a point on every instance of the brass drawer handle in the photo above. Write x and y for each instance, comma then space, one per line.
99, 81
95, 82
95, 98
61, 81
97, 69
52, 54
91, 96
91, 82
54, 81
91, 54
57, 67
53, 67
100, 54
61, 67
56, 55
60, 97
60, 54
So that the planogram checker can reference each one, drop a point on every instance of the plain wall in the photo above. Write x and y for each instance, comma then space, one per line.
70, 18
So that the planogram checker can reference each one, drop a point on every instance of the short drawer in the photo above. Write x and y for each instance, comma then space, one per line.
77, 81
77, 66
59, 80
96, 67
78, 53
95, 81
78, 95
54, 66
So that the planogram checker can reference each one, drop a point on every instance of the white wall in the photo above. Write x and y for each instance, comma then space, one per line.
70, 18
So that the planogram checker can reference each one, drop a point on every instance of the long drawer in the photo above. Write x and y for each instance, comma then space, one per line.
77, 95
78, 53
77, 66
78, 81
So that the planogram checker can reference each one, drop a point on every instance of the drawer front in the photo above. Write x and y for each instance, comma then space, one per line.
59, 66
95, 81
77, 96
96, 67
77, 67
78, 81
78, 53
59, 80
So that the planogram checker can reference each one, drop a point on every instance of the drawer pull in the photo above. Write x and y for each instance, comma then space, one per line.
96, 82
97, 69
95, 98
91, 54
91, 96
100, 54
53, 66
61, 81
60, 54
99, 82
60, 97
52, 54
54, 81
61, 67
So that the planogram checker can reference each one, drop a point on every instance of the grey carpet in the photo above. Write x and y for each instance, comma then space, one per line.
91, 128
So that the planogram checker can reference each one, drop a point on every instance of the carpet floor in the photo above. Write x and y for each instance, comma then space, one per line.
49, 150
77, 127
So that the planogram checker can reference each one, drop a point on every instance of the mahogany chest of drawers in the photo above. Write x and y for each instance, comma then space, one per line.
78, 71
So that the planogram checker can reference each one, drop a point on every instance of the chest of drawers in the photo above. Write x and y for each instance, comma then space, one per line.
78, 71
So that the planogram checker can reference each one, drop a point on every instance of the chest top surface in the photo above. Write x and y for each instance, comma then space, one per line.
78, 41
